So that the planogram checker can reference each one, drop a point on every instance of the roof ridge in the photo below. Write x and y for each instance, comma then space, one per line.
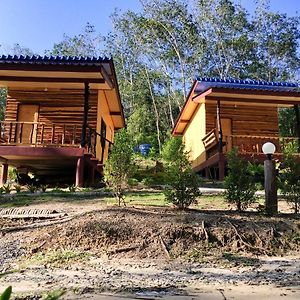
247, 82
52, 58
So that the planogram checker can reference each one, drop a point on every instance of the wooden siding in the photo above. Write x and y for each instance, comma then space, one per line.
246, 120
56, 107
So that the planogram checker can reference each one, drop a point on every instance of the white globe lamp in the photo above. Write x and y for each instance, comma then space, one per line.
268, 149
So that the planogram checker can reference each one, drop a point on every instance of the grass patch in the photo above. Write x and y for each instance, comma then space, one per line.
238, 260
53, 295
56, 258
211, 202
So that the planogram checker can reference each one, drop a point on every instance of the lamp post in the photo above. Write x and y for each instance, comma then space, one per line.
271, 203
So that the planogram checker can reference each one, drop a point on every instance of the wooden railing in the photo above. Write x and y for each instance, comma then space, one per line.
253, 144
35, 133
245, 143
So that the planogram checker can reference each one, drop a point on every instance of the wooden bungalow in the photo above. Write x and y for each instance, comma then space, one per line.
61, 116
221, 114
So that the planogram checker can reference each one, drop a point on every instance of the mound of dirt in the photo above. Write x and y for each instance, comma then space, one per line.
164, 233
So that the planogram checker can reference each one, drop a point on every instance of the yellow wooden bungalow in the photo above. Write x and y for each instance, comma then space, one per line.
221, 114
61, 116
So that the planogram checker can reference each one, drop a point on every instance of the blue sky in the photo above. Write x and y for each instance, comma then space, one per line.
38, 24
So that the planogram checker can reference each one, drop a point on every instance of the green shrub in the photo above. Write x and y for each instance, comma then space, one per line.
239, 184
119, 166
133, 182
72, 188
7, 188
183, 183
18, 188
44, 187
289, 178
31, 188
6, 294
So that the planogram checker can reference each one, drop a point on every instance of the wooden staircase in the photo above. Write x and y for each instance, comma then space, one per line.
93, 162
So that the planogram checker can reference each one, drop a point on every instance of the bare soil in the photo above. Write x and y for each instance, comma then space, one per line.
151, 252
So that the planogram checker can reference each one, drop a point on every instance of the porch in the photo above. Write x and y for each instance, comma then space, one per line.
249, 147
51, 149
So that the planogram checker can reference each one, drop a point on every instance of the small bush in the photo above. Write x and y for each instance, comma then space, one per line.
7, 188
18, 188
133, 182
72, 188
44, 187
183, 183
31, 188
119, 167
289, 177
239, 184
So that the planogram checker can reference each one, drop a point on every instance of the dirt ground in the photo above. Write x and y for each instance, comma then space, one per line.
95, 251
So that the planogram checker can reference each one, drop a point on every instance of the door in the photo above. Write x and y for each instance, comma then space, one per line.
227, 133
27, 132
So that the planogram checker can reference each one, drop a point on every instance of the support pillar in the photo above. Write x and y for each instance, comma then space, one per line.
80, 172
85, 114
4, 172
271, 203
219, 124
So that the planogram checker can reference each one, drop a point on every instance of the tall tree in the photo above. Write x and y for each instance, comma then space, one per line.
86, 43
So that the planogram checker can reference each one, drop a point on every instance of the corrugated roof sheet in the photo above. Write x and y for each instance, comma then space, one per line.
205, 83
53, 60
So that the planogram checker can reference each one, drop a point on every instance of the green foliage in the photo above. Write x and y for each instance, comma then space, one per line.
31, 188
3, 94
289, 178
239, 183
54, 295
7, 188
119, 166
183, 183
6, 294
44, 187
172, 148
72, 188
18, 188
86, 43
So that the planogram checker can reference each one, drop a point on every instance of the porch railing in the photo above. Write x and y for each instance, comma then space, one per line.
245, 143
36, 133
253, 144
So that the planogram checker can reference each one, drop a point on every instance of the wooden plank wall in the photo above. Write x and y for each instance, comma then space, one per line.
246, 120
59, 107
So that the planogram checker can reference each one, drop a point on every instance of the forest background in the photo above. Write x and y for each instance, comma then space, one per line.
159, 51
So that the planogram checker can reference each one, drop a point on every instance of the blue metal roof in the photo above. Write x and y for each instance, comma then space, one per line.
53, 60
207, 82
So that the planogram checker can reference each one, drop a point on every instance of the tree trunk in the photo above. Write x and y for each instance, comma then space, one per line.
155, 110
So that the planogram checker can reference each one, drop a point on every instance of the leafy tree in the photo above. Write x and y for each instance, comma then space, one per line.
183, 183
3, 94
276, 38
119, 165
87, 43
15, 49
239, 183
226, 30
290, 176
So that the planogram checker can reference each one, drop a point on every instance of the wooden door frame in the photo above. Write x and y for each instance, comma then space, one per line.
18, 113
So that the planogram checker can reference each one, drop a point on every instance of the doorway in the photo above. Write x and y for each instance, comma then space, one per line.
226, 124
26, 133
